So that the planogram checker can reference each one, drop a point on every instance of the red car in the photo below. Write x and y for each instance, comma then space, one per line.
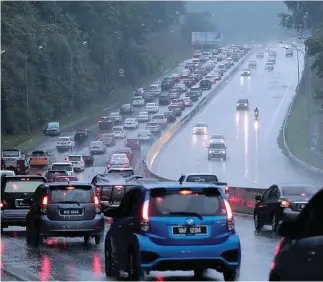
176, 77
133, 144
177, 102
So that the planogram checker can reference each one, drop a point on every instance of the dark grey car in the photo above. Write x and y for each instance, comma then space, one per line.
64, 210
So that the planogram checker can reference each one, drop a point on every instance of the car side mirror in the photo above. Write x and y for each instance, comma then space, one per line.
289, 228
28, 201
258, 198
111, 212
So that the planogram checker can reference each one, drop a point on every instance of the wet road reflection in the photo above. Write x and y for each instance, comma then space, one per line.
68, 259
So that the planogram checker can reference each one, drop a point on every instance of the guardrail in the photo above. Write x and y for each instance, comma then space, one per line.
288, 151
241, 199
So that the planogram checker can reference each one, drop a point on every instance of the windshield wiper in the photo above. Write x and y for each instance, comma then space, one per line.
187, 213
68, 202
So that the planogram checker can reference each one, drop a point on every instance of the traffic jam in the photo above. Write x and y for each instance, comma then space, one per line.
86, 210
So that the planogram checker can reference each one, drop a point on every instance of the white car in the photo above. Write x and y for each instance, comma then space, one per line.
131, 123
160, 118
118, 132
143, 117
138, 101
155, 89
185, 73
144, 135
246, 72
77, 162
200, 128
66, 166
97, 147
152, 108
66, 142
120, 157
115, 116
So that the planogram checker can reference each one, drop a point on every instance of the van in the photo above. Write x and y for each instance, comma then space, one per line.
68, 167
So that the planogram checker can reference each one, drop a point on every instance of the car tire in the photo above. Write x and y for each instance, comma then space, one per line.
257, 222
134, 270
98, 239
199, 273
231, 275
28, 236
86, 239
111, 269
274, 223
274, 277
37, 238
224, 158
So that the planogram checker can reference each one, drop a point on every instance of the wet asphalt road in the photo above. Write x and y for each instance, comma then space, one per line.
254, 158
68, 259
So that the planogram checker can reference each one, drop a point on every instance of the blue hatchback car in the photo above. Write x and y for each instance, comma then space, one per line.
172, 226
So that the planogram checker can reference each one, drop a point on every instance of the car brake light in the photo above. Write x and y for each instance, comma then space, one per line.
4, 204
44, 204
229, 215
118, 187
277, 249
97, 204
226, 190
45, 159
70, 188
284, 204
144, 224
57, 142
98, 191
185, 192
68, 142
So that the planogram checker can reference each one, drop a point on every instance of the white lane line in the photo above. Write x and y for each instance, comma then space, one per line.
276, 113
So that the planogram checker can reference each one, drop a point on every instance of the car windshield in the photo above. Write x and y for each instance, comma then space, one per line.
304, 191
63, 139
172, 202
217, 146
95, 144
74, 193
131, 141
200, 125
153, 87
118, 156
75, 158
217, 136
107, 136
67, 167
16, 186
130, 120
8, 153
242, 101
152, 124
53, 125
139, 98
143, 114
202, 178
117, 162
54, 174
158, 117
126, 106
117, 129
150, 105
114, 114
144, 132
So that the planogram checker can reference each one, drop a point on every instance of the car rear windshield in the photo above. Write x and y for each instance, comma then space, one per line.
38, 153
66, 179
117, 129
13, 153
203, 202
131, 141
22, 186
299, 190
63, 139
123, 172
75, 193
66, 167
217, 146
54, 174
74, 158
202, 178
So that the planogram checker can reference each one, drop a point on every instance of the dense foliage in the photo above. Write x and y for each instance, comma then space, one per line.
306, 17
59, 57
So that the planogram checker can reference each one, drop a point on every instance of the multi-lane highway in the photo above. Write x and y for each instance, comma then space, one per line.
67, 259
254, 158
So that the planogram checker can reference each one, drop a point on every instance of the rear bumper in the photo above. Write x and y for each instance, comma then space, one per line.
14, 217
162, 257
72, 228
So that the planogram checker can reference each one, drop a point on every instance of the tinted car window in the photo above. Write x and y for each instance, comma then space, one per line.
38, 153
299, 190
53, 174
29, 186
171, 202
80, 194
202, 178
74, 158
217, 146
67, 167
131, 141
12, 153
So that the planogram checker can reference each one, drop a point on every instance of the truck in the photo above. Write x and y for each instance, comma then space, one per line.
15, 160
200, 177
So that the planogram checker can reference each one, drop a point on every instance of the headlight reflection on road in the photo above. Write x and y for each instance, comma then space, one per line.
256, 124
237, 124
241, 80
246, 137
200, 139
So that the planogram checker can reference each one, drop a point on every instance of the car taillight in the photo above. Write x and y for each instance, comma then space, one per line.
226, 190
144, 224
3, 204
98, 191
108, 165
45, 159
69, 142
82, 161
229, 215
57, 142
284, 204
97, 204
44, 204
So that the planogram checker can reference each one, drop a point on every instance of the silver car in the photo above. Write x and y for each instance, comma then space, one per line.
143, 117
144, 135
97, 147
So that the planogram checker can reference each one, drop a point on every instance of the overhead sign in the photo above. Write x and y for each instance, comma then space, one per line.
206, 38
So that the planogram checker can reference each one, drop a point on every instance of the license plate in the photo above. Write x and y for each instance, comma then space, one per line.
189, 230
71, 211
38, 159
115, 203
21, 204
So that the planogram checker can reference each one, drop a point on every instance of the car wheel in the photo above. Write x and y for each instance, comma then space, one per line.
134, 270
274, 223
274, 277
28, 236
111, 269
199, 272
86, 239
257, 221
98, 239
231, 275
38, 239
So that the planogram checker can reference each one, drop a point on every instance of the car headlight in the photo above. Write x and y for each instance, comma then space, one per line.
246, 104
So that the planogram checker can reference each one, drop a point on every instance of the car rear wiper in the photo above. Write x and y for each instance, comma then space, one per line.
186, 213
68, 202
